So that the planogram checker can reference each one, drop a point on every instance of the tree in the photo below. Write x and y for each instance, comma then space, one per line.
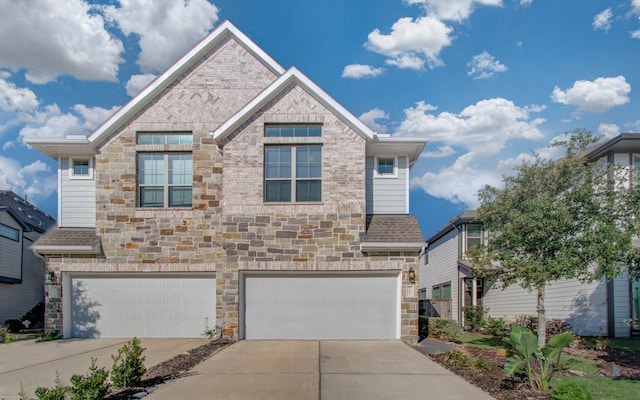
555, 220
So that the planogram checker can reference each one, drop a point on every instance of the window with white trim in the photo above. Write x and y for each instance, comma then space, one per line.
80, 168
165, 179
9, 232
293, 173
474, 236
386, 167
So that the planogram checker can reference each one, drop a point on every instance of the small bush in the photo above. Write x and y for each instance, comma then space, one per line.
474, 317
128, 365
93, 386
497, 327
14, 325
462, 358
553, 327
3, 334
58, 392
445, 329
48, 336
209, 332
570, 391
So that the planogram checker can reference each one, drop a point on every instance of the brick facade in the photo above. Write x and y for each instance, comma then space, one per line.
230, 229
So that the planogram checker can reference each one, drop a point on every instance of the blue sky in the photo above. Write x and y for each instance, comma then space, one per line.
486, 81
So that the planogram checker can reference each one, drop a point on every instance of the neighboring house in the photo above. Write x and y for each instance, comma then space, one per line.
608, 306
236, 193
22, 274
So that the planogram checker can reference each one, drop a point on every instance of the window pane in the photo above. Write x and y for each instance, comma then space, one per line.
446, 291
145, 139
271, 131
180, 196
286, 131
80, 167
151, 169
436, 292
173, 139
385, 166
278, 191
151, 196
9, 232
308, 190
315, 131
180, 169
308, 162
277, 162
301, 131
293, 130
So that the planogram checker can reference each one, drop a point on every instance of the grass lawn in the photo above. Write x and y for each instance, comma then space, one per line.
481, 340
603, 388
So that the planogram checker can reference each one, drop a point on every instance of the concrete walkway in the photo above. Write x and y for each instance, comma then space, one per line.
35, 364
325, 370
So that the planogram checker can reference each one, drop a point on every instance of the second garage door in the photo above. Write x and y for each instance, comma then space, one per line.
319, 306
121, 306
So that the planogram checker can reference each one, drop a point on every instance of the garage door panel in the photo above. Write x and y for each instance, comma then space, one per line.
312, 306
142, 306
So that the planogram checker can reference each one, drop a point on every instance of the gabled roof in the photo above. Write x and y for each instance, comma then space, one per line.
467, 217
25, 213
79, 145
293, 75
623, 143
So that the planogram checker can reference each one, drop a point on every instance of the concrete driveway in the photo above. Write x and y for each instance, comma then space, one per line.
324, 370
35, 364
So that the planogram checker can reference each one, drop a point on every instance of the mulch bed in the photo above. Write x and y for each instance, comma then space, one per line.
502, 387
170, 369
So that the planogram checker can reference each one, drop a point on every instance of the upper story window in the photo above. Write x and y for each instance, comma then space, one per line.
9, 232
386, 167
474, 236
293, 173
293, 131
165, 138
80, 168
165, 179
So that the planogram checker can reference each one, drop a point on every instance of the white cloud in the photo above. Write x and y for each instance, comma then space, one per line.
412, 43
525, 3
34, 180
603, 20
482, 128
441, 152
14, 99
596, 96
138, 82
166, 28
454, 10
484, 65
635, 5
54, 38
609, 130
370, 117
635, 34
357, 71
52, 123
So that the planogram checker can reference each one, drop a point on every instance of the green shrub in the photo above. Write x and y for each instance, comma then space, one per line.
93, 386
539, 364
3, 334
570, 391
128, 365
48, 336
462, 358
445, 329
553, 326
58, 392
474, 317
496, 327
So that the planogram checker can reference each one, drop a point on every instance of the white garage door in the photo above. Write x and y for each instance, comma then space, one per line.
144, 306
317, 306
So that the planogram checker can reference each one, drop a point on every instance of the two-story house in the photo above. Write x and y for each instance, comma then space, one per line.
610, 306
22, 273
233, 192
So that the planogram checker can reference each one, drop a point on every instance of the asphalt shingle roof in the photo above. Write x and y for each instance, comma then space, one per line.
29, 215
69, 237
393, 229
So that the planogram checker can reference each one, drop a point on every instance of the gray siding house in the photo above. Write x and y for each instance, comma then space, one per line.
610, 306
22, 274
233, 192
